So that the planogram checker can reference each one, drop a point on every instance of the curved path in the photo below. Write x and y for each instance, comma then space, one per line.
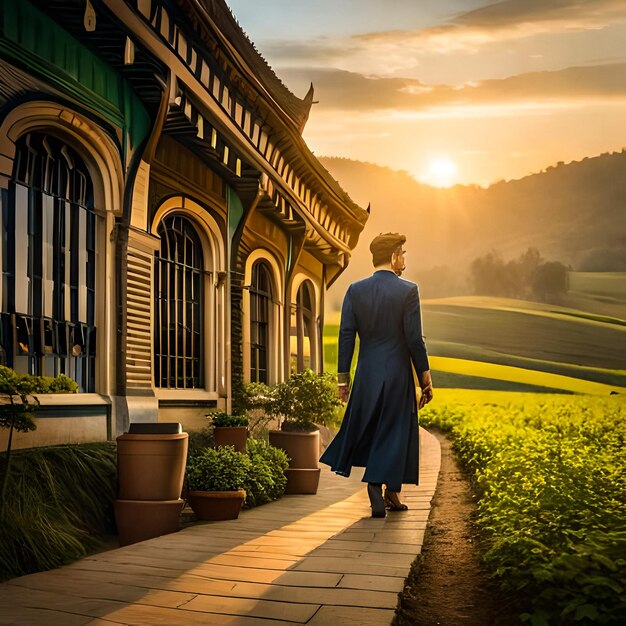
317, 560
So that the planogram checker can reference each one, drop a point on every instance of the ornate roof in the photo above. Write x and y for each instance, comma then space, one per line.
219, 15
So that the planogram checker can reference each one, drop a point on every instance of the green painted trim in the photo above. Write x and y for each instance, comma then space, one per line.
34, 42
235, 211
167, 404
72, 410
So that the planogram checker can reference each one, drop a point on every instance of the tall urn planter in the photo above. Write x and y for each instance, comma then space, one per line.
151, 461
303, 450
301, 402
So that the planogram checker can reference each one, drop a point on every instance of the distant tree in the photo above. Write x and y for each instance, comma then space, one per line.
550, 280
528, 276
512, 280
487, 275
528, 262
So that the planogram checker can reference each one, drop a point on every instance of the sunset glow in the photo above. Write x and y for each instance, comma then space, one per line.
509, 88
441, 172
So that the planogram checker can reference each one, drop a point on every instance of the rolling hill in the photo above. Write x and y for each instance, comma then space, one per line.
573, 213
478, 342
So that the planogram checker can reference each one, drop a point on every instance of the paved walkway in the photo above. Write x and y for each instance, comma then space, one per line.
316, 560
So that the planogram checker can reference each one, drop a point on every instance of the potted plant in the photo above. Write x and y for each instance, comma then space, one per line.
230, 430
216, 479
300, 403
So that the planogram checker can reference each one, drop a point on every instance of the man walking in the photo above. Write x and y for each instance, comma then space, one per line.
379, 430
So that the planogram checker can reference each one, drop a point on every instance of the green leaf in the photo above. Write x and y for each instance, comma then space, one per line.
586, 611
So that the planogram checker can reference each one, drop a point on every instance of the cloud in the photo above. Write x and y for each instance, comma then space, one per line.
318, 51
501, 21
400, 52
350, 91
508, 13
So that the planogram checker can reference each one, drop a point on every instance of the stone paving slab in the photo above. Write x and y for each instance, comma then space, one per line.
317, 560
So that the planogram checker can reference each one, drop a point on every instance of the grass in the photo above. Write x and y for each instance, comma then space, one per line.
519, 375
606, 284
529, 334
59, 503
474, 353
502, 343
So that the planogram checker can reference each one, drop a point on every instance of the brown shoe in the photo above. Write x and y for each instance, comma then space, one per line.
392, 502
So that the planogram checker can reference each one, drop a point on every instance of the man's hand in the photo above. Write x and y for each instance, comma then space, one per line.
343, 386
426, 384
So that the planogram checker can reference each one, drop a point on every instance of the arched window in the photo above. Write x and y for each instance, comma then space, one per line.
179, 293
49, 263
260, 320
303, 328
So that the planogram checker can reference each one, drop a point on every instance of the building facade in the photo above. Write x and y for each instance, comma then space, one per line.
167, 234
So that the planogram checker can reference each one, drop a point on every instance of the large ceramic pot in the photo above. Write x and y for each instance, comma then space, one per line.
138, 520
303, 450
231, 436
214, 506
151, 466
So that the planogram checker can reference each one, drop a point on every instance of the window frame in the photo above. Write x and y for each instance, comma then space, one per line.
51, 206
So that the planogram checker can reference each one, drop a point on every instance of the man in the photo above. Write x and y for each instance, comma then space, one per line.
379, 430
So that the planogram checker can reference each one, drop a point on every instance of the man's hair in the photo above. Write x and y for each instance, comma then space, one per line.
384, 245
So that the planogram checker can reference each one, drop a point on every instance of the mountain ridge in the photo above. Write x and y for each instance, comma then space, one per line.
572, 213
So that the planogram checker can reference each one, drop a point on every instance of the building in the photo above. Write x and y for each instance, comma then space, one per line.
167, 234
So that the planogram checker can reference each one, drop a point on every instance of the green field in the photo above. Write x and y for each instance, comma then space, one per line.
505, 344
603, 293
549, 474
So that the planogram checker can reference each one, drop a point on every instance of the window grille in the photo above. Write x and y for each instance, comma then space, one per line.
260, 308
49, 263
179, 289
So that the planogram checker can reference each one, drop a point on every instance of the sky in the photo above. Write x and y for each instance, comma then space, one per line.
452, 91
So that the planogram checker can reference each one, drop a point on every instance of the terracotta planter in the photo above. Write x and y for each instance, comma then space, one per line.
213, 506
151, 467
138, 520
302, 481
303, 450
231, 436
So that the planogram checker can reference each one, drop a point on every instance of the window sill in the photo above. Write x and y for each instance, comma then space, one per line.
72, 399
185, 394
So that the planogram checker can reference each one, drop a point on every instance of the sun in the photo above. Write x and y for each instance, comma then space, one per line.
441, 172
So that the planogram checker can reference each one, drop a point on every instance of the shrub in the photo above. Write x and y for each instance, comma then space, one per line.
267, 479
59, 384
221, 419
303, 400
218, 469
552, 487
58, 505
254, 400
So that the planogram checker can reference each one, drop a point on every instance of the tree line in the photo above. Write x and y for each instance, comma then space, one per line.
527, 277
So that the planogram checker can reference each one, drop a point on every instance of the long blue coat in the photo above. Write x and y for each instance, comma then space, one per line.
379, 430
